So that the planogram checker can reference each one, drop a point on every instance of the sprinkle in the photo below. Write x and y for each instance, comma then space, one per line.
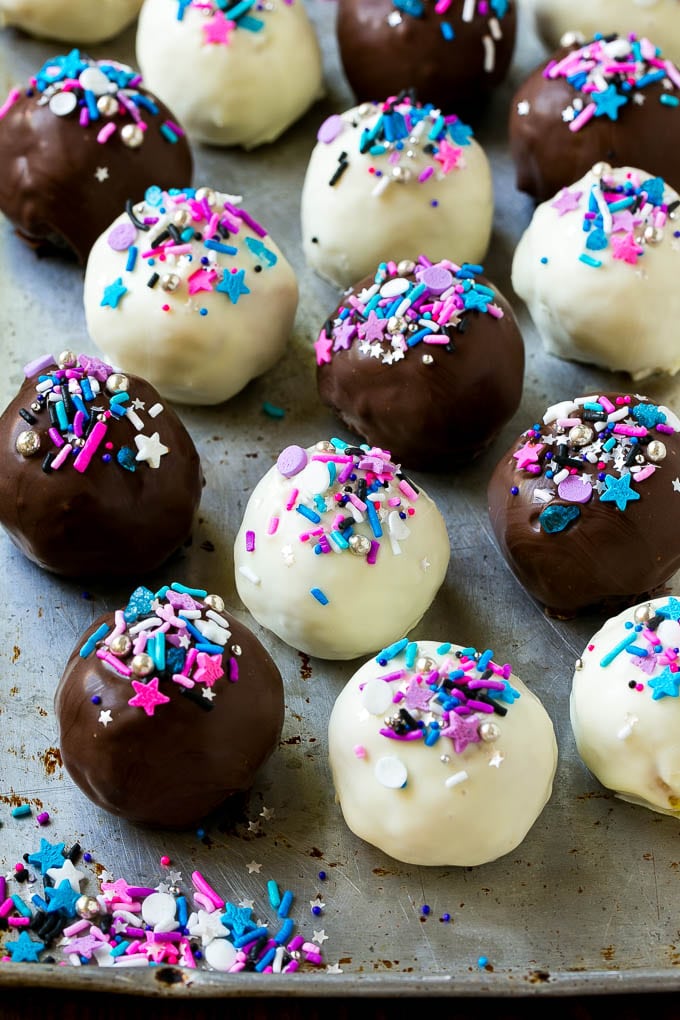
319, 596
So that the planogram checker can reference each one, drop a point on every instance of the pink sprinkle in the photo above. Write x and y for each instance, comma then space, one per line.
83, 458
273, 525
183, 681
19, 922
9, 102
442, 6
207, 890
250, 541
76, 927
7, 907
424, 174
192, 654
63, 455
583, 117
84, 118
55, 436
407, 489
111, 660
292, 499
105, 133
233, 670
639, 476
359, 751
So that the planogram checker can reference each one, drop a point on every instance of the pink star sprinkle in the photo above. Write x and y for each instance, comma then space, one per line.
323, 346
528, 454
209, 669
448, 155
567, 201
202, 279
218, 29
626, 249
148, 696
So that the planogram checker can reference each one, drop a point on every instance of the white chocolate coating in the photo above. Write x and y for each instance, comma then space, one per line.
629, 736
70, 21
349, 227
470, 808
163, 334
657, 19
368, 605
621, 315
244, 88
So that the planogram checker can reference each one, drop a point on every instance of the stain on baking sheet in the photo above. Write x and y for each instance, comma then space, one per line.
51, 759
305, 667
16, 652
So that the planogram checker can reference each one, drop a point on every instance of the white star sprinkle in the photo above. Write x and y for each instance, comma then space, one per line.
497, 759
397, 356
287, 554
102, 173
394, 19
333, 968
150, 449
320, 937
67, 872
207, 925
208, 694
523, 107
425, 564
317, 903
568, 114
253, 826
676, 484
138, 405
639, 98
184, 641
365, 347
175, 877
254, 867
247, 904
267, 814
163, 887
105, 717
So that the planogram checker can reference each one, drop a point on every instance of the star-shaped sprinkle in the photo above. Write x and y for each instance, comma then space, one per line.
568, 114
208, 694
639, 98
138, 405
317, 903
83, 947
148, 696
150, 449
417, 695
105, 717
343, 335
373, 328
207, 926
201, 280
496, 760
209, 668
475, 300
375, 351
62, 899
50, 855
666, 684
24, 949
671, 611
245, 905
267, 813
320, 937
232, 285
528, 454
607, 103
618, 491
509, 694
567, 201
463, 730
254, 867
333, 968
676, 484
67, 872
102, 174
323, 347
239, 918
253, 826
625, 249
623, 221
523, 108
217, 29
113, 293
448, 155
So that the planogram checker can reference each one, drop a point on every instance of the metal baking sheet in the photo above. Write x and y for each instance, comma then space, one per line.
586, 904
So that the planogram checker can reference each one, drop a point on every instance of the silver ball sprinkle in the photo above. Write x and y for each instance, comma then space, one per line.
35, 406
401, 174
107, 106
120, 645
445, 758
142, 664
323, 446
170, 281
181, 218
405, 267
571, 38
28, 443
236, 650
360, 545
215, 602
395, 325
643, 614
427, 359
489, 731
132, 136
101, 417
656, 450
653, 235
424, 664
578, 664
639, 458
206, 193
87, 907
67, 359
580, 435
117, 383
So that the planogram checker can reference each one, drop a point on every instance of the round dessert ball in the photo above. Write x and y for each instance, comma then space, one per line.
451, 54
339, 552
76, 143
424, 357
440, 755
396, 177
168, 707
187, 289
597, 269
237, 78
69, 21
99, 477
657, 19
584, 504
613, 99
624, 706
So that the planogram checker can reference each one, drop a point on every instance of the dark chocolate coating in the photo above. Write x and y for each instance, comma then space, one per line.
380, 60
48, 187
548, 156
173, 768
606, 559
435, 416
105, 521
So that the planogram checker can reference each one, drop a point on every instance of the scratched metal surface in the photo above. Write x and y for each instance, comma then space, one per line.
586, 903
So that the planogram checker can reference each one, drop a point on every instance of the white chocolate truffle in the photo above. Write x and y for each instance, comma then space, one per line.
70, 21
657, 19
426, 784
231, 80
624, 706
385, 180
338, 552
598, 267
188, 291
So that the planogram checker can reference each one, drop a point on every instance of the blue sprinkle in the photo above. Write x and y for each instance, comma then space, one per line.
556, 518
319, 596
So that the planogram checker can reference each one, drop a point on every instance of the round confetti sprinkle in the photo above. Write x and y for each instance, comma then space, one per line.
122, 237
291, 461
330, 129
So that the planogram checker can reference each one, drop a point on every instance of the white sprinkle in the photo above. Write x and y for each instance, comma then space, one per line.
376, 696
468, 10
249, 574
394, 19
391, 772
155, 410
542, 495
134, 418
495, 28
63, 103
489, 53
456, 779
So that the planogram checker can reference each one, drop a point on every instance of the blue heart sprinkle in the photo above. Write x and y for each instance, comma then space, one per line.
597, 240
556, 518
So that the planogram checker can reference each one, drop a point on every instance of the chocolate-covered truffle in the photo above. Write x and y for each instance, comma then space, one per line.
452, 54
423, 359
584, 505
612, 99
167, 708
99, 476
78, 143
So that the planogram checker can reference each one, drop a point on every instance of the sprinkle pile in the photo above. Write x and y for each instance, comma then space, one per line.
88, 404
128, 925
407, 141
493, 10
222, 17
179, 635
609, 72
103, 93
406, 305
452, 698
593, 448
183, 241
651, 649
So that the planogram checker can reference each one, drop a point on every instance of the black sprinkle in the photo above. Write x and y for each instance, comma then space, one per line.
47, 462
338, 173
130, 211
174, 233
74, 853
153, 280
27, 416
197, 699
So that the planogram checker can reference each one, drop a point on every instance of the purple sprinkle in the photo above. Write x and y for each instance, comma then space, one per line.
121, 237
34, 367
330, 129
291, 461
437, 279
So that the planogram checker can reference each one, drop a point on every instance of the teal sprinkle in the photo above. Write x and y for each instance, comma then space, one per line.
272, 410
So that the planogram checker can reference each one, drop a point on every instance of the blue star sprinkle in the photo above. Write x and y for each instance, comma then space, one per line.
666, 684
671, 611
113, 293
608, 102
62, 899
618, 491
50, 855
24, 949
232, 285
